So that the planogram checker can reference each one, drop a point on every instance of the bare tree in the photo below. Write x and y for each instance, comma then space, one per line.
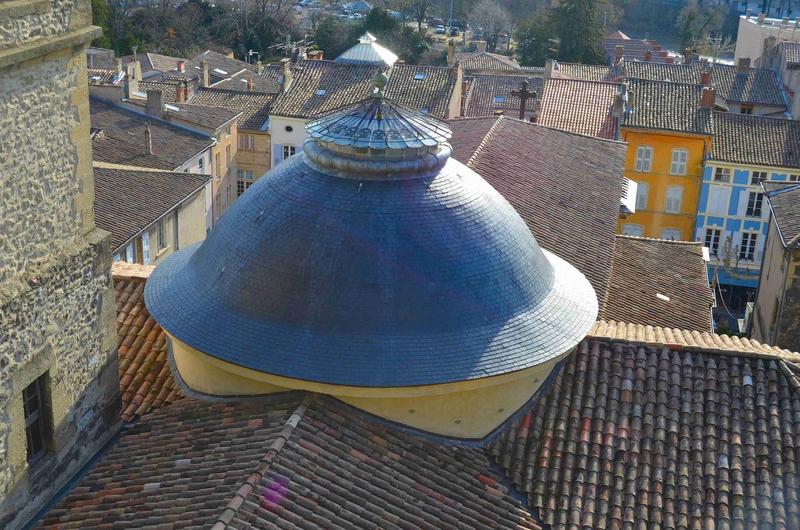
492, 18
421, 8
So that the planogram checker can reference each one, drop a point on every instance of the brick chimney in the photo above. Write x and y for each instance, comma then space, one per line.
181, 66
761, 18
549, 66
480, 46
743, 65
286, 74
148, 139
451, 51
155, 103
249, 84
705, 77
259, 67
707, 97
315, 55
648, 55
181, 91
619, 53
206, 78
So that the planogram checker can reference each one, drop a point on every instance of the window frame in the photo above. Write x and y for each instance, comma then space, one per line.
674, 231
755, 204
748, 252
161, 234
724, 171
626, 226
43, 416
642, 192
711, 241
753, 174
246, 142
793, 178
640, 159
288, 148
682, 165
667, 199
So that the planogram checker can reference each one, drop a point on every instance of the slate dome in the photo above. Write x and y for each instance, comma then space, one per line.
373, 259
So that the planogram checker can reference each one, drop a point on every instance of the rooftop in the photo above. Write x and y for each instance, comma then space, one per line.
659, 283
756, 140
254, 106
784, 201
489, 94
239, 82
584, 107
127, 201
220, 66
368, 51
477, 62
425, 88
791, 52
667, 106
569, 201
120, 139
587, 72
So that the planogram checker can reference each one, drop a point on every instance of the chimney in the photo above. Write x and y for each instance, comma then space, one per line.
259, 67
620, 98
549, 66
119, 65
619, 52
648, 55
451, 51
131, 81
148, 139
90, 60
180, 92
707, 97
743, 65
480, 46
249, 84
748, 13
705, 77
315, 55
761, 18
286, 75
155, 103
181, 66
206, 80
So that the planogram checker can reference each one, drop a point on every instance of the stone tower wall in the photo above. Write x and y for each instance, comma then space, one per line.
56, 298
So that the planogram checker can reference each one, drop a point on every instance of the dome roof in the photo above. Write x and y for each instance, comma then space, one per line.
368, 51
369, 262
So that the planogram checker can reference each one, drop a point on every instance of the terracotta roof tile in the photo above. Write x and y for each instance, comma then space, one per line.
482, 62
784, 201
428, 88
659, 437
490, 93
643, 268
791, 52
238, 82
583, 107
587, 72
145, 379
756, 140
667, 106
255, 106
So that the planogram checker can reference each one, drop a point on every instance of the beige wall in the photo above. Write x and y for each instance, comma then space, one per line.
56, 300
257, 160
770, 288
224, 181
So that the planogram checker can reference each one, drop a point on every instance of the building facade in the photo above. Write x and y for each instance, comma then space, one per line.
59, 386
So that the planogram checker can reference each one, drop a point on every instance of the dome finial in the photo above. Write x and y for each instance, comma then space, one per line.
380, 81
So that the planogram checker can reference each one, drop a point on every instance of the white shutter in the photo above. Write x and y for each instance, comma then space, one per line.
743, 198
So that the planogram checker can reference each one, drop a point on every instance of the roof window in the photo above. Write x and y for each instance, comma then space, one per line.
419, 76
499, 99
320, 92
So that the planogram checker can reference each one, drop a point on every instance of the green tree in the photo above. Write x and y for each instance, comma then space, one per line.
536, 41
696, 22
579, 29
100, 18
333, 36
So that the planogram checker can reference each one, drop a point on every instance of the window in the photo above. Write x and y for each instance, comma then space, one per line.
794, 178
244, 179
722, 174
748, 247
757, 177
641, 195
644, 158
288, 150
679, 158
746, 109
671, 234
162, 236
146, 247
320, 92
672, 200
754, 204
201, 163
217, 164
175, 238
712, 240
630, 229
128, 254
419, 76
38, 419
228, 130
246, 142
228, 160
499, 100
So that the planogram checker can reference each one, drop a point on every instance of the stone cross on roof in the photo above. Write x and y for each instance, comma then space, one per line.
524, 94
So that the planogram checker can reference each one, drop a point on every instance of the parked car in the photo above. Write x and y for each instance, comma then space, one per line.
440, 29
435, 22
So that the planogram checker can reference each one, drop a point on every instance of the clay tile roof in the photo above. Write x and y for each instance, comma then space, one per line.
636, 49
642, 268
145, 379
255, 106
756, 140
475, 62
490, 93
127, 201
273, 72
567, 187
428, 88
784, 201
238, 82
587, 72
123, 142
583, 107
285, 463
638, 436
220, 66
321, 86
102, 76
667, 106
168, 88
791, 52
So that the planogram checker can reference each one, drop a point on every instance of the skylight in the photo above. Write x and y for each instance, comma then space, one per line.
499, 99
320, 92
419, 76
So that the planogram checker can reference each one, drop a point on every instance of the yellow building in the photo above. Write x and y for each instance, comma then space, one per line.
668, 132
354, 282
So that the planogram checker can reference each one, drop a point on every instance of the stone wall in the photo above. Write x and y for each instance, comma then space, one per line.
56, 298
789, 326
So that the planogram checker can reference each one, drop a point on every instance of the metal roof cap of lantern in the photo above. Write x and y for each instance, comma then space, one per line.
378, 137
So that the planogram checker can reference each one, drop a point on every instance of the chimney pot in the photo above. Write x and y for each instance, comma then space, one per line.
148, 139
648, 55
761, 18
155, 103
451, 51
480, 46
705, 78
249, 84
748, 13
259, 67
181, 66
206, 80
286, 75
743, 65
707, 98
